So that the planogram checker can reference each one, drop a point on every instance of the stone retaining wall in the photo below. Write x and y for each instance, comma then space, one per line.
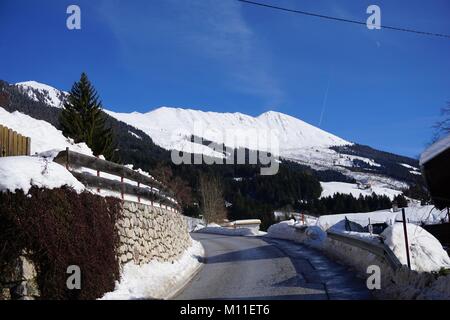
18, 282
151, 233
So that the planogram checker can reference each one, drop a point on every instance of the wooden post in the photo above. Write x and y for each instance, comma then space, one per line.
67, 158
14, 146
406, 238
121, 189
28, 146
98, 175
303, 218
19, 145
5, 142
10, 151
24, 146
139, 197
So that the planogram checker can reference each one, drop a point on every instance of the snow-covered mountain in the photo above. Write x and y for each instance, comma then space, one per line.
172, 128
43, 93
286, 136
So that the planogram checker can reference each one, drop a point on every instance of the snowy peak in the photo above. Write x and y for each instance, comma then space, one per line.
298, 132
169, 127
43, 93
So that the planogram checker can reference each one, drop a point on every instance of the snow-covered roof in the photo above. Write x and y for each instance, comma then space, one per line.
435, 149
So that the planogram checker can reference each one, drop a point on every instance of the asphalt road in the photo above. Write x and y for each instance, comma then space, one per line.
268, 269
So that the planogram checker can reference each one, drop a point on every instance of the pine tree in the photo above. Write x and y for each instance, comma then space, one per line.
82, 119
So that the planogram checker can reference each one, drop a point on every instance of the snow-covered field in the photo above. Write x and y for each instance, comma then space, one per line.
157, 280
330, 188
43, 135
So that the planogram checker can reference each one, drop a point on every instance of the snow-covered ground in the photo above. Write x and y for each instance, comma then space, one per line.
330, 188
24, 172
43, 135
290, 230
157, 280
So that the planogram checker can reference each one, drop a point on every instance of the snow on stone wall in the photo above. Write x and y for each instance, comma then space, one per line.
150, 233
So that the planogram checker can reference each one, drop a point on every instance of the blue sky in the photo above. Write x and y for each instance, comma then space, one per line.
382, 88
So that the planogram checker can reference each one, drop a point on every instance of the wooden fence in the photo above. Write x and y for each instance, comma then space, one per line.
154, 192
13, 144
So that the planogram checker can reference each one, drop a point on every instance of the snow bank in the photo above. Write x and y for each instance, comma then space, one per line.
249, 227
157, 280
426, 251
43, 135
24, 172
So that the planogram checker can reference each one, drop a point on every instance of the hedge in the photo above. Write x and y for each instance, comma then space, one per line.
57, 228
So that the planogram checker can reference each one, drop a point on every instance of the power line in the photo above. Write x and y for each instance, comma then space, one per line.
342, 19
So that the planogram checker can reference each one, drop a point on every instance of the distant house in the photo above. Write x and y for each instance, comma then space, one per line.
286, 215
363, 185
434, 163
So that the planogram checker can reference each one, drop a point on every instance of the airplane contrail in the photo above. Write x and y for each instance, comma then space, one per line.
324, 103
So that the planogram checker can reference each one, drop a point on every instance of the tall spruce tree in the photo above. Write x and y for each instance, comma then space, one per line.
82, 119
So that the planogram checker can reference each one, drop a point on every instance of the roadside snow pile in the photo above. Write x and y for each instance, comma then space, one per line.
426, 251
248, 227
285, 230
216, 229
43, 135
24, 172
289, 230
157, 280
340, 228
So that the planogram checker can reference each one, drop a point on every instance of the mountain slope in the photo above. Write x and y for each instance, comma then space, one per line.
43, 93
